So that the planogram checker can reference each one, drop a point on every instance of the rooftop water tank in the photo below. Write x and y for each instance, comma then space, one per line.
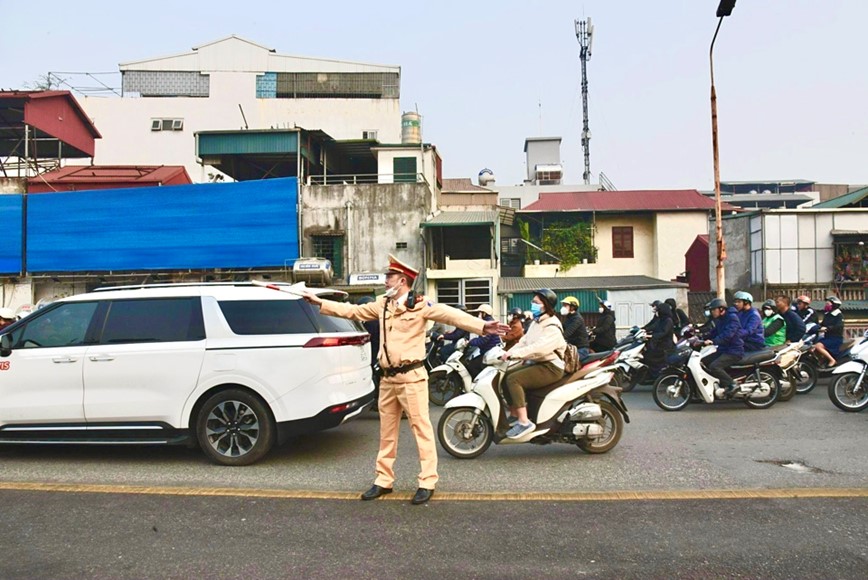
411, 129
313, 271
486, 177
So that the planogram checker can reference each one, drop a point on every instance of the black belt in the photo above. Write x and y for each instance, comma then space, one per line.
391, 372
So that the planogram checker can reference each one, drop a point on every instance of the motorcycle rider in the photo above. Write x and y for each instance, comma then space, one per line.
484, 342
803, 309
542, 365
452, 337
794, 322
516, 328
832, 329
774, 327
660, 340
604, 332
575, 331
679, 317
752, 330
654, 317
726, 334
7, 317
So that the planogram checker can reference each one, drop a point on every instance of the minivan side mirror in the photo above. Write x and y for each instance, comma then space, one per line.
5, 345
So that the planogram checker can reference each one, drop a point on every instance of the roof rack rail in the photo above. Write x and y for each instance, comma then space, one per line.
180, 284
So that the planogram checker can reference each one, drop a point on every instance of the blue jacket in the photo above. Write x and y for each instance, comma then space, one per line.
795, 325
485, 342
752, 332
726, 333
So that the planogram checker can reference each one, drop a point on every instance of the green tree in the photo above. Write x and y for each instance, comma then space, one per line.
571, 242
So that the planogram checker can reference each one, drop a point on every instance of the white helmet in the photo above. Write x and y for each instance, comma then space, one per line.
8, 314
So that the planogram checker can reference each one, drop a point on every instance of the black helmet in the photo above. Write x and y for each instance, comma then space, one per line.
770, 304
461, 307
656, 303
515, 312
547, 296
365, 300
716, 303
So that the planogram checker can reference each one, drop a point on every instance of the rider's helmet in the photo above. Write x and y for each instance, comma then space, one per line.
365, 300
572, 301
834, 300
804, 299
770, 304
716, 303
461, 307
548, 296
606, 304
655, 304
515, 312
744, 297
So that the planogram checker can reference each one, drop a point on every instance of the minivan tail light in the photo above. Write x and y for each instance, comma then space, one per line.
356, 340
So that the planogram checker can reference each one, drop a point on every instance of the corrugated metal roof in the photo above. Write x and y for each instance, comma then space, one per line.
74, 177
462, 218
843, 200
512, 285
602, 201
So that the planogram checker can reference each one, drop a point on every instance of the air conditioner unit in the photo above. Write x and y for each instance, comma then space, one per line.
313, 271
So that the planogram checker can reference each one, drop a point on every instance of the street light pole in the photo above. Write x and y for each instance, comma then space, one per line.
724, 9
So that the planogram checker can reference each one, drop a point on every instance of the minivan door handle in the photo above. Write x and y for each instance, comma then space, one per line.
101, 358
63, 359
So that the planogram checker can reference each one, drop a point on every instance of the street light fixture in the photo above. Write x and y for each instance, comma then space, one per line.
723, 9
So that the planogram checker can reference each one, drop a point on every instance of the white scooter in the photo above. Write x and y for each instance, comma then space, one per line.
581, 409
686, 378
849, 387
452, 378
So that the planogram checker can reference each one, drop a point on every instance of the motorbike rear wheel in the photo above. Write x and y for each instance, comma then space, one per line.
671, 392
788, 391
807, 377
460, 437
771, 398
443, 386
847, 395
613, 427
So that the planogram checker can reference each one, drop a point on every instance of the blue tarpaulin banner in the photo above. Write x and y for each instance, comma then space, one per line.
10, 233
247, 224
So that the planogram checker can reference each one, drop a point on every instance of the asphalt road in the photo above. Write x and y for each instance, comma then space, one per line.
752, 494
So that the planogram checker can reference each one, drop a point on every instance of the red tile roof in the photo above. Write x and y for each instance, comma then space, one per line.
621, 201
82, 177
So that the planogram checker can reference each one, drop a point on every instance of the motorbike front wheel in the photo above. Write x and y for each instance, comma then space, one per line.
671, 392
788, 391
612, 424
443, 386
848, 394
806, 374
463, 433
771, 398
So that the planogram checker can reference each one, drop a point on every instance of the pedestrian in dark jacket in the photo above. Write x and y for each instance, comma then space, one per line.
751, 323
604, 332
726, 335
575, 331
795, 324
679, 317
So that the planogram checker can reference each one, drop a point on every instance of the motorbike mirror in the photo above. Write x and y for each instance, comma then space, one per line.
5, 345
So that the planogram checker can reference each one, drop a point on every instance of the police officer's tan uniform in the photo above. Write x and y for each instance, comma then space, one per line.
402, 344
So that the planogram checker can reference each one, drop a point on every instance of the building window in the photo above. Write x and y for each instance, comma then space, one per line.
401, 245
513, 202
471, 293
167, 124
622, 242
369, 135
404, 169
332, 249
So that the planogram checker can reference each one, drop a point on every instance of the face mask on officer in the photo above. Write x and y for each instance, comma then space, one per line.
565, 310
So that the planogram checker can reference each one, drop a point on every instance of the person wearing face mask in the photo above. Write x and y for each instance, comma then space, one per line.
660, 340
752, 333
803, 309
484, 342
832, 330
542, 366
403, 317
774, 326
516, 328
655, 317
604, 332
575, 331
679, 317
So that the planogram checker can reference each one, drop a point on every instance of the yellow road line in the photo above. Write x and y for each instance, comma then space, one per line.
641, 495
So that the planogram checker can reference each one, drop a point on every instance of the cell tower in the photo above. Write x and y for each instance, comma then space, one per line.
585, 36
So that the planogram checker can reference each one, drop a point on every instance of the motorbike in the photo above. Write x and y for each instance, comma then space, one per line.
686, 379
812, 366
451, 378
849, 387
629, 368
581, 409
788, 357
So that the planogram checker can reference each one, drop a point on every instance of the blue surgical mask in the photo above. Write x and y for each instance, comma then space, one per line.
536, 309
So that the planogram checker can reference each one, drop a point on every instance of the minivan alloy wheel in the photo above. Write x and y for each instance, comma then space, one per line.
234, 427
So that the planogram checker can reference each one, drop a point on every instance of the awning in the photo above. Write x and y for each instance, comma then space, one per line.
462, 218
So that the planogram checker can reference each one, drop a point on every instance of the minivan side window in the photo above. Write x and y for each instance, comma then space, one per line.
267, 317
64, 325
153, 320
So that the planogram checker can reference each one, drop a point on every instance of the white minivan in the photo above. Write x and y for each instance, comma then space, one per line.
234, 367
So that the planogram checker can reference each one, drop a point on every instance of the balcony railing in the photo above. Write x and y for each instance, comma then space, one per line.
359, 178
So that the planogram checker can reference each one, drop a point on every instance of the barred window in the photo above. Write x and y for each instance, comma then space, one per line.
329, 85
471, 293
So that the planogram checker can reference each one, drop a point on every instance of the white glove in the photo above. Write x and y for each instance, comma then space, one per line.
462, 342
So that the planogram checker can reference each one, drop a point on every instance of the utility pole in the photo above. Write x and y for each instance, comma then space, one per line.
723, 9
585, 36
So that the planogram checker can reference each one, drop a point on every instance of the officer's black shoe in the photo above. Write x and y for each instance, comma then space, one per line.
375, 492
422, 496
731, 390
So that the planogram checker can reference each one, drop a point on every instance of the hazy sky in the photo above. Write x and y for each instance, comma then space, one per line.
790, 74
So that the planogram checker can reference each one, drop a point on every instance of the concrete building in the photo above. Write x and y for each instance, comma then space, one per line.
233, 83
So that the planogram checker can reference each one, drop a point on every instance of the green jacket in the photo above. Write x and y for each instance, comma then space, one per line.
778, 332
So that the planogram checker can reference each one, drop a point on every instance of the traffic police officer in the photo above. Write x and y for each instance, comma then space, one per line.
404, 385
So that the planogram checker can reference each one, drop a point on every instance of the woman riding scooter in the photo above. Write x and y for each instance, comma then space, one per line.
832, 329
542, 366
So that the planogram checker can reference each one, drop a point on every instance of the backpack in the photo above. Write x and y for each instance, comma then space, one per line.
571, 359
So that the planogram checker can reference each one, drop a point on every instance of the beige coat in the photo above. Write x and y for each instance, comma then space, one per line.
543, 341
402, 333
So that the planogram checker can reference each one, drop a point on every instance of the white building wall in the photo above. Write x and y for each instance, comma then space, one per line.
641, 264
